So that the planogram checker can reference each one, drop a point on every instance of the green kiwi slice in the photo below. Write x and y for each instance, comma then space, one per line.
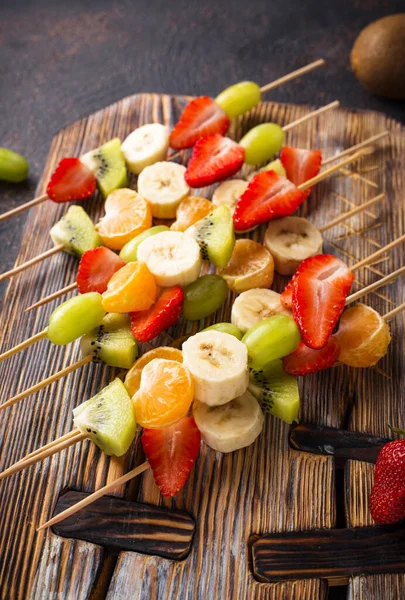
108, 165
108, 419
276, 391
216, 236
76, 232
112, 342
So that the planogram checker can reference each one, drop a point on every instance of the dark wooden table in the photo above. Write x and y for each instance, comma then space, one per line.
63, 60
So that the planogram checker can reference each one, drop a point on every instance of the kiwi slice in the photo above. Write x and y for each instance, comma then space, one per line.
76, 232
216, 236
276, 391
108, 165
108, 419
112, 342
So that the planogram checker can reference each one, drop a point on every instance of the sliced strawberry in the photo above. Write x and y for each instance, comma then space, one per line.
287, 294
214, 158
202, 116
71, 180
301, 165
319, 294
304, 360
147, 324
172, 452
268, 196
96, 268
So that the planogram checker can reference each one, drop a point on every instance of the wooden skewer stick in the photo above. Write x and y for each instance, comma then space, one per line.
51, 297
367, 142
302, 71
49, 451
23, 207
95, 496
390, 315
351, 213
311, 115
29, 342
45, 382
377, 254
67, 436
337, 167
32, 262
373, 286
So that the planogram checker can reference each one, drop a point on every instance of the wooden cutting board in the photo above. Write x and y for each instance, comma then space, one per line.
266, 488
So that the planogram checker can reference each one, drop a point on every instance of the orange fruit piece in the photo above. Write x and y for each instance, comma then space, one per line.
133, 377
126, 215
191, 210
131, 288
251, 266
165, 394
363, 336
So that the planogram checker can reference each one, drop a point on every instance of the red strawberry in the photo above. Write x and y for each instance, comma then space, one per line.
147, 324
304, 360
202, 116
319, 294
387, 498
172, 452
268, 196
301, 165
214, 158
287, 294
96, 268
71, 180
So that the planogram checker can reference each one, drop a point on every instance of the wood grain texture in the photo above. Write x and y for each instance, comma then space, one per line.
121, 525
267, 487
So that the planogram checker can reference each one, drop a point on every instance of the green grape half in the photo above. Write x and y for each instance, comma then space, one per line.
13, 166
239, 98
262, 142
75, 317
271, 339
226, 328
129, 252
204, 296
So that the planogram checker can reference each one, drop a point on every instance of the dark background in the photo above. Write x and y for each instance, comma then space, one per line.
60, 61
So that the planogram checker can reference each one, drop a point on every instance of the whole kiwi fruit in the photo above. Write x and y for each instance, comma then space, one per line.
378, 57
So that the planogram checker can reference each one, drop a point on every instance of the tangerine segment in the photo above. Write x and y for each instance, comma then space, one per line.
191, 210
132, 288
363, 336
251, 266
133, 377
165, 394
126, 215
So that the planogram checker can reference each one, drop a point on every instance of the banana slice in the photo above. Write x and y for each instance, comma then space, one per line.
164, 187
229, 192
218, 363
254, 305
145, 146
172, 257
231, 426
290, 241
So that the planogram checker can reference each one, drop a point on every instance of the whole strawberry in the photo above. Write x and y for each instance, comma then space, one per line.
387, 498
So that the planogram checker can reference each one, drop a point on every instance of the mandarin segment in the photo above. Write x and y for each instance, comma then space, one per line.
363, 336
165, 394
130, 289
191, 210
127, 215
133, 377
251, 266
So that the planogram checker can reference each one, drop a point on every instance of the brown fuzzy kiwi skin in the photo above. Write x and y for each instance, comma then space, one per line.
378, 57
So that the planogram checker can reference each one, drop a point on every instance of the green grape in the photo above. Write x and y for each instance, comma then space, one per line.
204, 296
262, 142
75, 317
226, 328
275, 165
271, 339
239, 98
13, 166
129, 252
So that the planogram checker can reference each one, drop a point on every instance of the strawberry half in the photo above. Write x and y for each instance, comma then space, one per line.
71, 180
147, 324
301, 165
319, 294
202, 116
304, 360
287, 294
96, 268
268, 196
171, 453
387, 498
213, 159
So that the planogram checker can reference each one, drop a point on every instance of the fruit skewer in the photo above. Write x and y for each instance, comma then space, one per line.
61, 232
77, 178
